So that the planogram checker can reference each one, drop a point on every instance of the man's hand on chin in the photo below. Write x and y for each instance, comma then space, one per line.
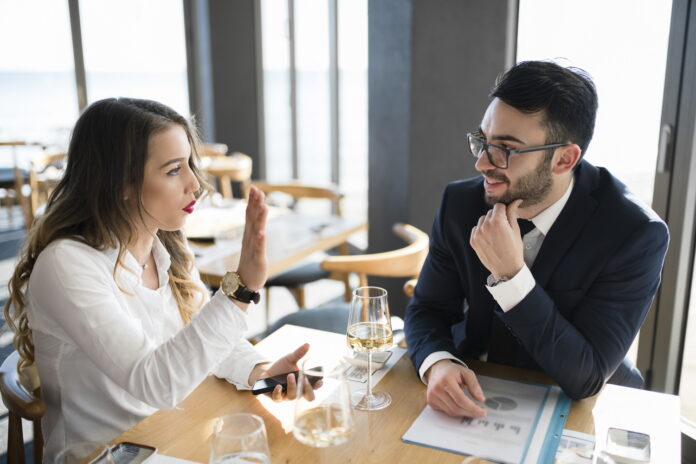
496, 240
446, 383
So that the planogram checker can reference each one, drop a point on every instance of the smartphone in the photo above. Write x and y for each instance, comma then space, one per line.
269, 383
130, 453
626, 444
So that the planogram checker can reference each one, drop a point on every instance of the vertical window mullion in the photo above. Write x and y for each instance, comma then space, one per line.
293, 90
80, 79
334, 91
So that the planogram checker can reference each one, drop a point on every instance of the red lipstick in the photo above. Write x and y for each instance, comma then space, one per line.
189, 208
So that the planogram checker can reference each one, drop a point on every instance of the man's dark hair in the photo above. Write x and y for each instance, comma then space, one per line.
567, 97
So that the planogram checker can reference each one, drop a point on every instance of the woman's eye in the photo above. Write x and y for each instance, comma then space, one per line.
174, 171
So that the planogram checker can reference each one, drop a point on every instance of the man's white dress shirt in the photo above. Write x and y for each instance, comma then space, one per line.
110, 351
509, 293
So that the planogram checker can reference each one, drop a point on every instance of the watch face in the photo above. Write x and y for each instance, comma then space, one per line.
230, 283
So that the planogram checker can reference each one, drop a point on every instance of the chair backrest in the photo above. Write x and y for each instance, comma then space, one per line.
212, 150
21, 404
298, 190
44, 174
226, 169
404, 262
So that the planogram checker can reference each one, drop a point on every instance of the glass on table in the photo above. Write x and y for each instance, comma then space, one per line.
239, 439
85, 452
323, 416
369, 330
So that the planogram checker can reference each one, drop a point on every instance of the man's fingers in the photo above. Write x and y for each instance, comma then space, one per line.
473, 385
513, 214
464, 405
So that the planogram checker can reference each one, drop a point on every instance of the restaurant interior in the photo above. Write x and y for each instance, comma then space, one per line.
351, 116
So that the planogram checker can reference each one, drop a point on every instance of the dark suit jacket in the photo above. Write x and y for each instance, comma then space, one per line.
596, 273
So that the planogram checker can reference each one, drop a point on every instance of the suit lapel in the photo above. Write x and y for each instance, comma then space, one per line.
568, 225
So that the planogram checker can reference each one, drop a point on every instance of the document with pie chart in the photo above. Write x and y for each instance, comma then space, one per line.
524, 424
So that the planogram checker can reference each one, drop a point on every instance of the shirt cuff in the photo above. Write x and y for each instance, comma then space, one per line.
238, 366
508, 294
432, 359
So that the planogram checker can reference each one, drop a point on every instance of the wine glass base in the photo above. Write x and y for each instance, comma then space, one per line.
378, 400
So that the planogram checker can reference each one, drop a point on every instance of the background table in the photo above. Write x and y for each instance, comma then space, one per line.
185, 432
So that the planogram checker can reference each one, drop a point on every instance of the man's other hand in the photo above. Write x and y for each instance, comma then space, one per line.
446, 384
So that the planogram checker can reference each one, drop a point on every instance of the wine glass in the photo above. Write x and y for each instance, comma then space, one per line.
369, 330
86, 451
239, 438
323, 416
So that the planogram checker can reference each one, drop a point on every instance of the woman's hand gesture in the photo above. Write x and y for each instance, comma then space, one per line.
253, 264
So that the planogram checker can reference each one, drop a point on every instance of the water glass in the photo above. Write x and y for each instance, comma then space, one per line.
85, 452
239, 439
323, 416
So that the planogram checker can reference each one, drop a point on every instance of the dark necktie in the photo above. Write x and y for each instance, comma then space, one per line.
525, 226
503, 347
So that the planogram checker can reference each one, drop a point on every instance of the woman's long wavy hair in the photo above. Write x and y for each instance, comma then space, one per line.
106, 162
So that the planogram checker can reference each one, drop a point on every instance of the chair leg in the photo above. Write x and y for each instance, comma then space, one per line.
38, 442
347, 292
15, 440
299, 294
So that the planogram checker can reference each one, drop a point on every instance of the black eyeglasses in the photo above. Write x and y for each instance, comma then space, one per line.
499, 156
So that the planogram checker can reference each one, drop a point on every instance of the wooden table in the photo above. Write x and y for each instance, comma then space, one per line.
185, 432
291, 237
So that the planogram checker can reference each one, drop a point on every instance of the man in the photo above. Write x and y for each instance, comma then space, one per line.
566, 297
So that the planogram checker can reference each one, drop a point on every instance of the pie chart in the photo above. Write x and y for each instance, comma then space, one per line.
501, 403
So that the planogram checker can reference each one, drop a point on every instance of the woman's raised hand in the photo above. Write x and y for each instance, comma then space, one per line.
253, 264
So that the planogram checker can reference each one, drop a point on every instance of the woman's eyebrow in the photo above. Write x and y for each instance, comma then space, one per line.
172, 161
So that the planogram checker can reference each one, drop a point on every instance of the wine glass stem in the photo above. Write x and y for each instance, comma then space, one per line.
369, 374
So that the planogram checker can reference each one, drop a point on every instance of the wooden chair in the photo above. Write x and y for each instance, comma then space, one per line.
44, 174
403, 262
296, 278
21, 404
12, 179
224, 170
212, 150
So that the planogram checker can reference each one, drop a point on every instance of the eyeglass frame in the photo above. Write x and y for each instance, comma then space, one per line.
507, 151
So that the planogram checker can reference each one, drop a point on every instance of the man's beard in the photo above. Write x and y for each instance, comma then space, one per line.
532, 188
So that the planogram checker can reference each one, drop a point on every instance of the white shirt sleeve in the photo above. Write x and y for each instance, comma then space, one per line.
89, 311
238, 366
433, 358
508, 294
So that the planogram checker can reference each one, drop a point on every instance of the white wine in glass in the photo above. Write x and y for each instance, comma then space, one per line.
322, 409
369, 330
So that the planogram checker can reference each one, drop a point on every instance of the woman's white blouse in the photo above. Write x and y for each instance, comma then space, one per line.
108, 356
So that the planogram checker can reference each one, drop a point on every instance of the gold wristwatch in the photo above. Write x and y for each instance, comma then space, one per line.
233, 286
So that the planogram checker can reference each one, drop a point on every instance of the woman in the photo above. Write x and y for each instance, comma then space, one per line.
105, 298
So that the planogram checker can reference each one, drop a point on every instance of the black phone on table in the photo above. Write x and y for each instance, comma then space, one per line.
269, 383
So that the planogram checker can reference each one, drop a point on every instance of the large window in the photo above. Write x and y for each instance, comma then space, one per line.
136, 49
315, 94
38, 99
130, 48
624, 49
629, 83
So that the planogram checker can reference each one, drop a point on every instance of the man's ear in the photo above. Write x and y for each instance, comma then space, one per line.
566, 158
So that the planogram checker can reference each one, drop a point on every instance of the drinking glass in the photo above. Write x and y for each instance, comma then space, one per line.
323, 416
369, 330
85, 452
239, 439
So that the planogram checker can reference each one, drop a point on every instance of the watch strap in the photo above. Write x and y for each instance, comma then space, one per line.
246, 295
